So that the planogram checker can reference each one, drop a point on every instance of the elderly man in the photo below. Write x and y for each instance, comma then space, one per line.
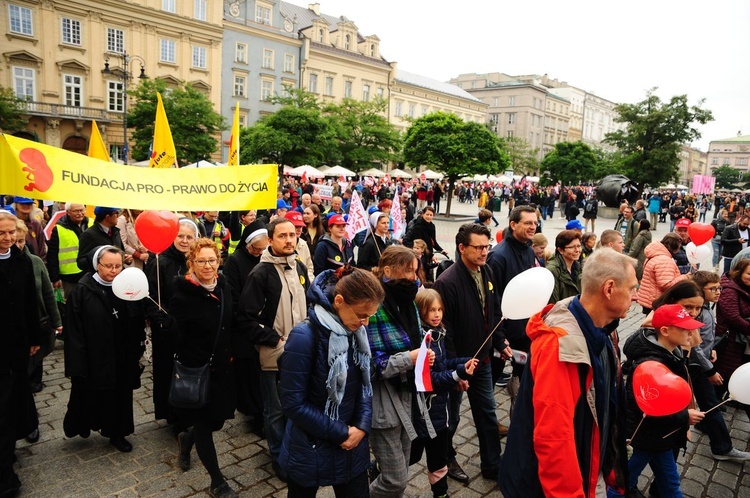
62, 247
305, 202
566, 439
35, 239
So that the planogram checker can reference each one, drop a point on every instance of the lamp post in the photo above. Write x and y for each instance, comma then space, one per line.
124, 75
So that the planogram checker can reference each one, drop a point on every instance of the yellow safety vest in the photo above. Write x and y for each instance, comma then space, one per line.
233, 245
68, 250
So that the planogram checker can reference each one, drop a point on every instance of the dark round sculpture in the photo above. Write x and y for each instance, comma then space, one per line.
612, 189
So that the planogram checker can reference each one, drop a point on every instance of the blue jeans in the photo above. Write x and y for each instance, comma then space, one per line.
717, 251
713, 424
272, 413
482, 400
664, 467
727, 264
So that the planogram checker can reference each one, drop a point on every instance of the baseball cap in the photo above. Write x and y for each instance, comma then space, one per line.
295, 217
682, 223
336, 219
674, 315
280, 204
574, 225
22, 200
372, 209
104, 211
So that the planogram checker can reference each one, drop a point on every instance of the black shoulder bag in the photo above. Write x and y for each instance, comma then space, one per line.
189, 387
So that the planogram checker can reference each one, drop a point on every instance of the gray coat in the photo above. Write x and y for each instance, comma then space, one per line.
637, 250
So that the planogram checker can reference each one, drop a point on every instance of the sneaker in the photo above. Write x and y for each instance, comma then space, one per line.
734, 455
222, 491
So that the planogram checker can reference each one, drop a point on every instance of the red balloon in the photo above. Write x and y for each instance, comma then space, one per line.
499, 236
157, 229
658, 391
700, 233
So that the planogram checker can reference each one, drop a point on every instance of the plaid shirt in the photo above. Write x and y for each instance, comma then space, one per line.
387, 337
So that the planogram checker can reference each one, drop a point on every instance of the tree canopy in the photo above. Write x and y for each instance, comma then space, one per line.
11, 111
456, 148
194, 123
523, 158
654, 131
728, 177
570, 163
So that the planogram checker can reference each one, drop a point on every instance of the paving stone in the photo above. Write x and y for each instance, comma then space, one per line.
727, 479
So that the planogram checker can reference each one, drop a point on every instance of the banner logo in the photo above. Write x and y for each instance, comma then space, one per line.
38, 172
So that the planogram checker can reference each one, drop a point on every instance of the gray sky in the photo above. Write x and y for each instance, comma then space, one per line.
617, 50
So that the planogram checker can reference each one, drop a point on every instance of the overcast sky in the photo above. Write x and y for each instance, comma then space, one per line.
615, 50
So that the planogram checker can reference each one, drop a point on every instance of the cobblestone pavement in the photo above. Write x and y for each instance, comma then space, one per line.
60, 467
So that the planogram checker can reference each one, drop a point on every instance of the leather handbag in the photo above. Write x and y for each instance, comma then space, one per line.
190, 386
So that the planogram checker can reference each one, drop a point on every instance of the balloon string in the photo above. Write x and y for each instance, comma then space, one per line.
158, 284
158, 305
636, 430
715, 407
488, 338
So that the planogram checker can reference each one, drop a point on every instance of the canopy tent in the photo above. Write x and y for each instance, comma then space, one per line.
399, 173
505, 179
431, 175
668, 185
323, 168
202, 164
681, 187
288, 170
533, 179
307, 170
372, 172
338, 171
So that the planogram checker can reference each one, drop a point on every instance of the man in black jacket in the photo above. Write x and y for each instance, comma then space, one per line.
472, 311
734, 239
103, 232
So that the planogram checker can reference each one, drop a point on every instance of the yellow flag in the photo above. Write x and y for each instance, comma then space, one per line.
163, 153
234, 139
97, 148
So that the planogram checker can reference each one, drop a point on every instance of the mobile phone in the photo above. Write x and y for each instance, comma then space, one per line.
520, 357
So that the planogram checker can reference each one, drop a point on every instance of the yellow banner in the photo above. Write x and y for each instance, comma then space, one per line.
163, 153
44, 172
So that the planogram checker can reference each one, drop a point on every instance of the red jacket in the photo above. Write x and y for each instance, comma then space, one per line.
660, 272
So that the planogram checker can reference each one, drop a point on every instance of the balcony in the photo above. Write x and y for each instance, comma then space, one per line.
48, 110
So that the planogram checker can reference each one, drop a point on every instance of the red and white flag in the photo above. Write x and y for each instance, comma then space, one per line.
398, 221
422, 369
304, 177
358, 220
52, 222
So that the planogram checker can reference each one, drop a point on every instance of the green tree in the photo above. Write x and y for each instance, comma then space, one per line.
445, 143
523, 159
194, 123
570, 163
607, 163
296, 97
727, 177
654, 131
363, 134
11, 111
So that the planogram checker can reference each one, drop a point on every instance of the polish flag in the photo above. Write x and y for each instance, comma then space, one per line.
422, 369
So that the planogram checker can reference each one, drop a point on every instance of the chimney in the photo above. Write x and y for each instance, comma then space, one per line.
315, 7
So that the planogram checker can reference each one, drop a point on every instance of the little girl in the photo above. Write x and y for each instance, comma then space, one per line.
426, 262
445, 374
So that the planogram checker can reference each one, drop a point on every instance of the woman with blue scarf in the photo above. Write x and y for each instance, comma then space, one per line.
325, 387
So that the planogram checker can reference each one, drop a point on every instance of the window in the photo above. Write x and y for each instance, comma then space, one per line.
320, 36
510, 133
114, 96
511, 101
267, 59
366, 93
289, 63
71, 31
266, 89
200, 10
72, 89
23, 82
494, 118
424, 110
726, 161
20, 20
239, 86
347, 42
169, 5
167, 51
262, 14
240, 52
115, 40
199, 57
511, 118
347, 89
495, 101
313, 84
714, 160
398, 110
372, 50
329, 85
381, 92
531, 138
411, 110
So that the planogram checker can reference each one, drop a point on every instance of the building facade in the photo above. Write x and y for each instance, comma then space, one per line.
556, 121
692, 162
260, 59
599, 118
733, 152
71, 61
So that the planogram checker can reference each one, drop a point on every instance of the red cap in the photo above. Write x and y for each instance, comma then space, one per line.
336, 219
682, 223
295, 217
674, 315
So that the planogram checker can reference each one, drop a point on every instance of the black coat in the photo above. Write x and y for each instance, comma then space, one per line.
421, 229
236, 269
200, 316
371, 250
92, 238
328, 255
94, 334
730, 241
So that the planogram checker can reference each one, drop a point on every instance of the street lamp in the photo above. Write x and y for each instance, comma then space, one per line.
123, 74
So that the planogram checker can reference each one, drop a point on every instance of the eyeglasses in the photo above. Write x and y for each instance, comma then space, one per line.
110, 266
362, 317
204, 262
575, 248
714, 289
479, 248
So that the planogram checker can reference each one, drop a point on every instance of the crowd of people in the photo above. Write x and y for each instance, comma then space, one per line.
316, 338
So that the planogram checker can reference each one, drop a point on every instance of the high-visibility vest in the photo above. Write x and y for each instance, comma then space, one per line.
233, 245
68, 253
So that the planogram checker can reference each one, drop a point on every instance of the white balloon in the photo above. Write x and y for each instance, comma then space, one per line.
691, 250
527, 293
130, 285
739, 384
707, 263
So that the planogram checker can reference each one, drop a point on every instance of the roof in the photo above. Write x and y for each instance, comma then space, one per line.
740, 138
430, 84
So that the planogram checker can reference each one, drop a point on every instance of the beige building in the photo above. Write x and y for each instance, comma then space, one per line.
67, 59
556, 121
692, 162
733, 152
576, 97
599, 117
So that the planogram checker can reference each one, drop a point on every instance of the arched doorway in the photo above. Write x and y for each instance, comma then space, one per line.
27, 136
76, 144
